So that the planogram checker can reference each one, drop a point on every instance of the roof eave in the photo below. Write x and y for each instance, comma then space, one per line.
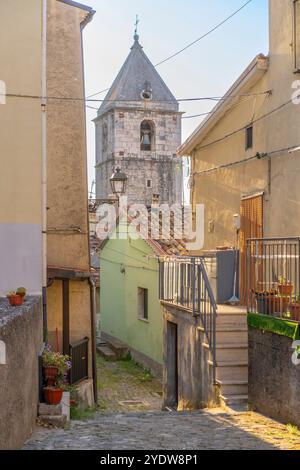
90, 11
253, 73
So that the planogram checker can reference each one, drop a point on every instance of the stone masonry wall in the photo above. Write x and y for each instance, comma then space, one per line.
118, 144
21, 332
274, 381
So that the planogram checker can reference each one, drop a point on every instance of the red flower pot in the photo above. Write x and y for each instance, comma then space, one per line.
16, 300
285, 289
53, 396
295, 311
50, 373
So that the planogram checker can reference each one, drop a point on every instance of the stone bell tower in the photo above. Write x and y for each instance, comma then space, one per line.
138, 129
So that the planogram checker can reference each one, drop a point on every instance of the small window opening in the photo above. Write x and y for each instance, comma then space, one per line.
142, 303
249, 137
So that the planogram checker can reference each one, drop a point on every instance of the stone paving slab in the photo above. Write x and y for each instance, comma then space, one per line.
208, 429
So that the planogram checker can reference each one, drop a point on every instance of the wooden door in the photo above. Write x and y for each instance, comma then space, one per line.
252, 215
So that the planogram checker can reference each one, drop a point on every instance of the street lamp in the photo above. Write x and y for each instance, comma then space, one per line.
118, 182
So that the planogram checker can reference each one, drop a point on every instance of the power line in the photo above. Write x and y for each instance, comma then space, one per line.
87, 100
257, 156
192, 43
205, 35
241, 129
99, 93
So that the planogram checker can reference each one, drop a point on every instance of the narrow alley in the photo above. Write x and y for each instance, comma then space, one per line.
130, 417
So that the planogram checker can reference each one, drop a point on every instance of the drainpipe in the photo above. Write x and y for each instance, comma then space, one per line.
93, 325
44, 164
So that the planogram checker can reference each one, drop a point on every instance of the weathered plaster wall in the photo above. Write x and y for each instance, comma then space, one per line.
194, 378
67, 214
125, 266
21, 331
122, 148
80, 317
20, 146
221, 191
67, 192
274, 381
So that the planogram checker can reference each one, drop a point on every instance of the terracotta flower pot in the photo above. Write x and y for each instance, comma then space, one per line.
16, 300
53, 396
285, 289
294, 308
50, 373
281, 304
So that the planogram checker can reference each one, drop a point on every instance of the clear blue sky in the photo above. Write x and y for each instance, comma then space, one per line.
206, 69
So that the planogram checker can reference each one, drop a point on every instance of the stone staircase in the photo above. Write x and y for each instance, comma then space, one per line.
112, 349
232, 356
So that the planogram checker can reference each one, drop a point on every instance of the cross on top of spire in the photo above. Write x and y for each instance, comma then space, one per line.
137, 21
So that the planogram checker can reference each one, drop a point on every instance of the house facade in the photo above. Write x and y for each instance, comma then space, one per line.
245, 170
71, 290
130, 310
21, 162
257, 117
22, 37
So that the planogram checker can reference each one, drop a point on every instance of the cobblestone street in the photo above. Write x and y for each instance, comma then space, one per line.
169, 431
129, 417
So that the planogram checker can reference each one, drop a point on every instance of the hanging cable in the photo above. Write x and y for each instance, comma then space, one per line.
257, 156
241, 129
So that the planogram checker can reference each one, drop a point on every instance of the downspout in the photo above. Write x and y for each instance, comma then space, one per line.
93, 328
44, 164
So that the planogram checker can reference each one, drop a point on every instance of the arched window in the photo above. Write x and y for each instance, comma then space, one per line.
147, 136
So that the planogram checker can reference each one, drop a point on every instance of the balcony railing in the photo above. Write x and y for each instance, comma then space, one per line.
273, 277
183, 283
79, 358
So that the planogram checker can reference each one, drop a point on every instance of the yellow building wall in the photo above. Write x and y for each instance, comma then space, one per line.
221, 191
20, 146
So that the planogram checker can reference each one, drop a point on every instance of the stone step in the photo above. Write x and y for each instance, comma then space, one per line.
107, 353
120, 349
53, 420
233, 387
235, 402
238, 319
230, 351
230, 334
231, 370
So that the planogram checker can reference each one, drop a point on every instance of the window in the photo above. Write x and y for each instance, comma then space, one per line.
249, 137
142, 303
149, 183
147, 136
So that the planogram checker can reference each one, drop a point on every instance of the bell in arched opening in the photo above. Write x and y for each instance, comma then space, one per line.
147, 135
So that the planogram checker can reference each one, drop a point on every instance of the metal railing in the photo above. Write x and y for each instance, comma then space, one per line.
273, 277
79, 358
183, 282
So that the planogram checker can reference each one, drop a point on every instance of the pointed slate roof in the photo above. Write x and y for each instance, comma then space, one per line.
130, 82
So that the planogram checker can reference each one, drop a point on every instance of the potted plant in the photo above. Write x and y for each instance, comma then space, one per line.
55, 367
265, 301
285, 287
294, 309
16, 297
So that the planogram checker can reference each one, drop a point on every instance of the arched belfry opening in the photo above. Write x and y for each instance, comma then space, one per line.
147, 136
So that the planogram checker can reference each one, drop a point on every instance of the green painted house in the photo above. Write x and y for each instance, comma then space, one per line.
130, 310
